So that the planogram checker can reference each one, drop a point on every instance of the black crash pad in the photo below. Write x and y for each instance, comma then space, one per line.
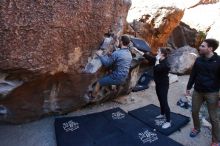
108, 128
148, 113
140, 44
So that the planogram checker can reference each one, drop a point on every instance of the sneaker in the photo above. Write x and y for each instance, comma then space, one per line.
194, 132
160, 116
215, 144
166, 125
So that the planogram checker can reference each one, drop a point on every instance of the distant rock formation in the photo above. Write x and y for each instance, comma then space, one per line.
156, 26
184, 35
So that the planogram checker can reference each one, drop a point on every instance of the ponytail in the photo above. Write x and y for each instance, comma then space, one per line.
166, 51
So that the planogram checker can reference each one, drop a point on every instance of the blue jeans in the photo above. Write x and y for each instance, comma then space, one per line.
108, 80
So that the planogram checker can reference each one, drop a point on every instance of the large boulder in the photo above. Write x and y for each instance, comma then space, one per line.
184, 35
45, 46
153, 21
182, 59
158, 21
51, 37
207, 10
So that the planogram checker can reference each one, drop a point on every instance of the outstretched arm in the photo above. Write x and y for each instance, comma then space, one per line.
106, 60
150, 58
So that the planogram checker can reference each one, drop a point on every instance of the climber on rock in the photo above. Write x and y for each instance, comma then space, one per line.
118, 62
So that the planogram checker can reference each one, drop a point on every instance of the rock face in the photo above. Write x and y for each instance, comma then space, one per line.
51, 37
182, 59
210, 13
183, 35
155, 24
45, 45
156, 20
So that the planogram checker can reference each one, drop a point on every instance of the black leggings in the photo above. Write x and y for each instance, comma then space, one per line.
162, 91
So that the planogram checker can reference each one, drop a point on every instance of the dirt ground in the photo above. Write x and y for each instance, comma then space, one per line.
41, 133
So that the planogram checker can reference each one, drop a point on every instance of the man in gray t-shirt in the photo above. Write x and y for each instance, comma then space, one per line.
119, 62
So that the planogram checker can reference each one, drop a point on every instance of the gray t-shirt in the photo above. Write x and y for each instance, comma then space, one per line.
120, 62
